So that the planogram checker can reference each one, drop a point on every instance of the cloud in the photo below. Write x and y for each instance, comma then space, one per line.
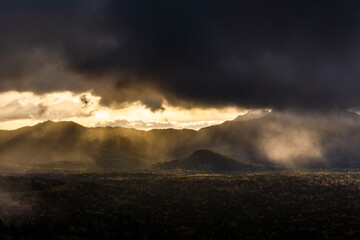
59, 105
14, 110
42, 109
292, 147
84, 99
299, 138
276, 54
20, 109
139, 124
149, 125
153, 104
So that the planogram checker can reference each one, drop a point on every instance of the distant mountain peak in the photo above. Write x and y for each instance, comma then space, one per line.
252, 114
203, 151
61, 124
204, 160
46, 122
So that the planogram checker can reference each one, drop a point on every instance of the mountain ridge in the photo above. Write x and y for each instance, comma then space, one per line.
287, 139
204, 160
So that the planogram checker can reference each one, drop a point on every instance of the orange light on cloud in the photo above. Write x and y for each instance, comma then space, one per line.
18, 109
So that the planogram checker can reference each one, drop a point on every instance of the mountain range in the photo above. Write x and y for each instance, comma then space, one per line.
288, 139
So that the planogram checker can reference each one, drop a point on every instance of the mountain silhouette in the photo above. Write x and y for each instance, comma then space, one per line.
252, 114
288, 139
208, 161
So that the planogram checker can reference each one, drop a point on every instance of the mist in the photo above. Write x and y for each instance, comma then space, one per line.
290, 139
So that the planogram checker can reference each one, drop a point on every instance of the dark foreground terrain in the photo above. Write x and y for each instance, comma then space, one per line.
287, 205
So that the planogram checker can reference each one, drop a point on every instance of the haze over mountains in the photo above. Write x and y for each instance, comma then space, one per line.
289, 139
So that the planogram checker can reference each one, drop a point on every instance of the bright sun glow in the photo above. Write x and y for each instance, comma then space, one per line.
18, 109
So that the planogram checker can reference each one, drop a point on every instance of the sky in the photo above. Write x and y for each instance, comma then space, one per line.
27, 109
181, 64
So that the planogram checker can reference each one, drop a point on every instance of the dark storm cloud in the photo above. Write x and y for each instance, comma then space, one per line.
252, 53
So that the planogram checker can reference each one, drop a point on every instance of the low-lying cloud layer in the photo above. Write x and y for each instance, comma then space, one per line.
55, 106
275, 54
148, 125
18, 109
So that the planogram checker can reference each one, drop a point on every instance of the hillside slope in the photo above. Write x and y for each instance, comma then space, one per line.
208, 161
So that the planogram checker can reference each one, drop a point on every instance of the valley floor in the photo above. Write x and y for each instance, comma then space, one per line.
143, 205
